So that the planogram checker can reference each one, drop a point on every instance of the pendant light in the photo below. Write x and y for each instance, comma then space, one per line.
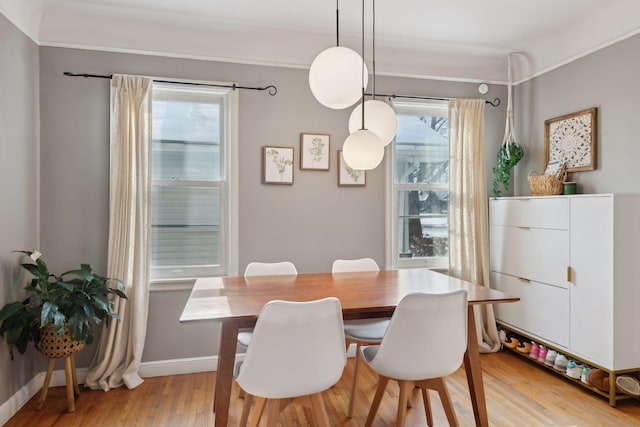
380, 117
335, 74
363, 149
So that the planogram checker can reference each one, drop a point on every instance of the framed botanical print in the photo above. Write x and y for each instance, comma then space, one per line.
314, 151
348, 177
571, 139
277, 165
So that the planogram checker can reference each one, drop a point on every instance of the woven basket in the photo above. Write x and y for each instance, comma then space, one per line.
545, 185
53, 345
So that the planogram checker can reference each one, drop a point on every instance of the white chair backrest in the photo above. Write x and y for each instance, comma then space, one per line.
270, 269
426, 338
297, 349
354, 265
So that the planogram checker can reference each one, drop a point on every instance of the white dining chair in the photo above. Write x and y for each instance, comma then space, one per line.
270, 269
363, 331
282, 363
284, 268
354, 265
425, 342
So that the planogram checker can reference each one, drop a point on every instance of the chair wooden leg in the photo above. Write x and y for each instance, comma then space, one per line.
445, 397
241, 393
246, 408
273, 412
356, 365
427, 405
382, 386
76, 387
257, 411
71, 405
319, 410
402, 402
45, 386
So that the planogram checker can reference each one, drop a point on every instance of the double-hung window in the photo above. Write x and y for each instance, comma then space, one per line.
418, 196
193, 193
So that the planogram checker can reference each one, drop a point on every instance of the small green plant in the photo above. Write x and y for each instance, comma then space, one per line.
508, 156
80, 298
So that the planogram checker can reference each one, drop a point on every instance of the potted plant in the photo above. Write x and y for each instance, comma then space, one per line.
71, 303
508, 156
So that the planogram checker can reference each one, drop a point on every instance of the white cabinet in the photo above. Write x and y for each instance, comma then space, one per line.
574, 261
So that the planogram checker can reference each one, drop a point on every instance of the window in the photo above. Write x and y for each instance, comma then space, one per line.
418, 197
193, 192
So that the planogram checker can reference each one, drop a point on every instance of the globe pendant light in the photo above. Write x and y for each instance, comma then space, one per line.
336, 73
363, 149
380, 117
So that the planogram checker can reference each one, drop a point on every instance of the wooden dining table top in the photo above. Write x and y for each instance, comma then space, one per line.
361, 294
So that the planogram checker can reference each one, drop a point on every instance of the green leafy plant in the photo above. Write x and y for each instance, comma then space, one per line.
508, 156
80, 298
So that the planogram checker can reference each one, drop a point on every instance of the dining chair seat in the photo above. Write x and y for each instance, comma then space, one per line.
365, 330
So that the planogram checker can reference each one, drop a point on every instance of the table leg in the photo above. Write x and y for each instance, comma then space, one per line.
474, 372
224, 373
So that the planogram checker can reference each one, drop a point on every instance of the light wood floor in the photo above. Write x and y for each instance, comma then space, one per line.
518, 394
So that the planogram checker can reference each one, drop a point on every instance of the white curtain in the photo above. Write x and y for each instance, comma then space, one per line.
119, 351
468, 208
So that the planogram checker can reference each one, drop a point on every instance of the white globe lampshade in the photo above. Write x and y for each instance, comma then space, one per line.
363, 150
335, 77
379, 118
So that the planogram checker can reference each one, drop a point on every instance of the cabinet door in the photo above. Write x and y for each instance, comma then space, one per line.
541, 311
537, 254
591, 285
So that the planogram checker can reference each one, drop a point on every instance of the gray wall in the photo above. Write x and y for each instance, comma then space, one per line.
310, 223
19, 177
607, 79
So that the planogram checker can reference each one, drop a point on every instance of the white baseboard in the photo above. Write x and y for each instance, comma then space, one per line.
58, 378
9, 408
162, 368
159, 368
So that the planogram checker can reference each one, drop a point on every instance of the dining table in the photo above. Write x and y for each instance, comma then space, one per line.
236, 302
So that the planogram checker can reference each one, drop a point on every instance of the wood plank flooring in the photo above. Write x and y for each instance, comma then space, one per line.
518, 394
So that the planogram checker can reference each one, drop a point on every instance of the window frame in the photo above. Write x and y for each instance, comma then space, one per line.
228, 183
393, 261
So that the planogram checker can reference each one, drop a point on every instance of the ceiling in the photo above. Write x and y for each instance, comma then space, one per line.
464, 40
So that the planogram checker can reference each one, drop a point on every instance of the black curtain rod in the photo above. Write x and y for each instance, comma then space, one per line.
493, 103
271, 89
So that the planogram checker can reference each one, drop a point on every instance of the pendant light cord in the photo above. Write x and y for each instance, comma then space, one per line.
362, 69
374, 49
337, 22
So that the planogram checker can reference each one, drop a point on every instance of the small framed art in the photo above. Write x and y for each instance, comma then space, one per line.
348, 177
314, 151
571, 139
277, 165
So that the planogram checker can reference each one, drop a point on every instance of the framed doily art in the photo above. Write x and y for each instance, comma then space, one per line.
571, 139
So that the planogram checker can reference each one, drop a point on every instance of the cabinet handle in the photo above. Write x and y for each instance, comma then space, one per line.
522, 279
524, 228
568, 273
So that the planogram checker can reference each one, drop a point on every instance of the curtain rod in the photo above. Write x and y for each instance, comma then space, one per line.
493, 103
271, 89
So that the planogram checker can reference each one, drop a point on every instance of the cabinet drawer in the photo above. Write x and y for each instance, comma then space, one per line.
537, 254
531, 212
543, 310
